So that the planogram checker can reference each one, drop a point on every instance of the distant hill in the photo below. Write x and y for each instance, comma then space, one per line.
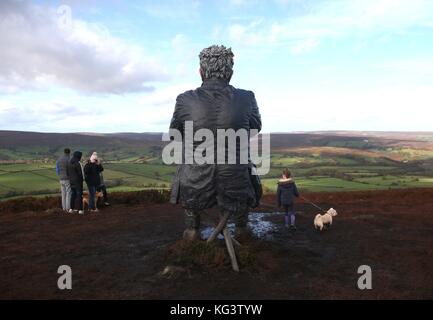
320, 161
353, 140
10, 139
22, 145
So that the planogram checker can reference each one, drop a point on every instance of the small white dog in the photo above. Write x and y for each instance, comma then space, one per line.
320, 221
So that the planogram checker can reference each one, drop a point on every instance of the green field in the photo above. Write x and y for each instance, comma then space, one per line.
332, 163
335, 184
312, 173
40, 179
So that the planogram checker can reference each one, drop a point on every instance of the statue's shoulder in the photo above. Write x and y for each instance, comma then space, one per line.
186, 93
243, 91
184, 96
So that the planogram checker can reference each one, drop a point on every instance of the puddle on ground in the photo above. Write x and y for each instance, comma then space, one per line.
262, 229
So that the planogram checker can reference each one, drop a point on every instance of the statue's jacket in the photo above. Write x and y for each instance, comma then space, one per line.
215, 105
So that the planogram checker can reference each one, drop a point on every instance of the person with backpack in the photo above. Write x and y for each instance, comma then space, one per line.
62, 173
76, 178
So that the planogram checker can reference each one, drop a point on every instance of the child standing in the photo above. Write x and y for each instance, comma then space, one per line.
286, 192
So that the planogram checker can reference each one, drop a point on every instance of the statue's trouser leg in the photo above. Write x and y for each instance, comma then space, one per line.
192, 219
240, 218
192, 223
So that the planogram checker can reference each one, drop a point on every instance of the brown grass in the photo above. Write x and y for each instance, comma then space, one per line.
197, 254
51, 202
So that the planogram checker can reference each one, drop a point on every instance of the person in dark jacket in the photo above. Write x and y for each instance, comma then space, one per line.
214, 105
62, 173
92, 171
286, 192
76, 177
102, 187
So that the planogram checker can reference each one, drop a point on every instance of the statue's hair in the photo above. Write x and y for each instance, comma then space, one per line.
216, 62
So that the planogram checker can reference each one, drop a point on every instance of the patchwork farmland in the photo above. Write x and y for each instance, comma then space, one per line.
330, 161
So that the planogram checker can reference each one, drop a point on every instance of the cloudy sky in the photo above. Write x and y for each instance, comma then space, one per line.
112, 66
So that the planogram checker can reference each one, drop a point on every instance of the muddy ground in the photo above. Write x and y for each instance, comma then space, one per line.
120, 252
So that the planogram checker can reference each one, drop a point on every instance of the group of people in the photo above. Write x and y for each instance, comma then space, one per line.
72, 175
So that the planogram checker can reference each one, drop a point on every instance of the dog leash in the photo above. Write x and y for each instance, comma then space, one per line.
269, 206
312, 203
262, 204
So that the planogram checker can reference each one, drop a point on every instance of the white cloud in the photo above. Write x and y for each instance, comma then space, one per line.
386, 108
38, 116
395, 108
330, 19
419, 67
38, 52
150, 111
242, 2
184, 10
238, 2
5, 107
165, 96
245, 35
179, 41
182, 56
304, 46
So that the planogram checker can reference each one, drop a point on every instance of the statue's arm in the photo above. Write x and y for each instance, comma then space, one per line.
255, 118
176, 121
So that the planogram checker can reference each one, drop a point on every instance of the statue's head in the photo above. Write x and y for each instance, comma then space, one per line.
216, 62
